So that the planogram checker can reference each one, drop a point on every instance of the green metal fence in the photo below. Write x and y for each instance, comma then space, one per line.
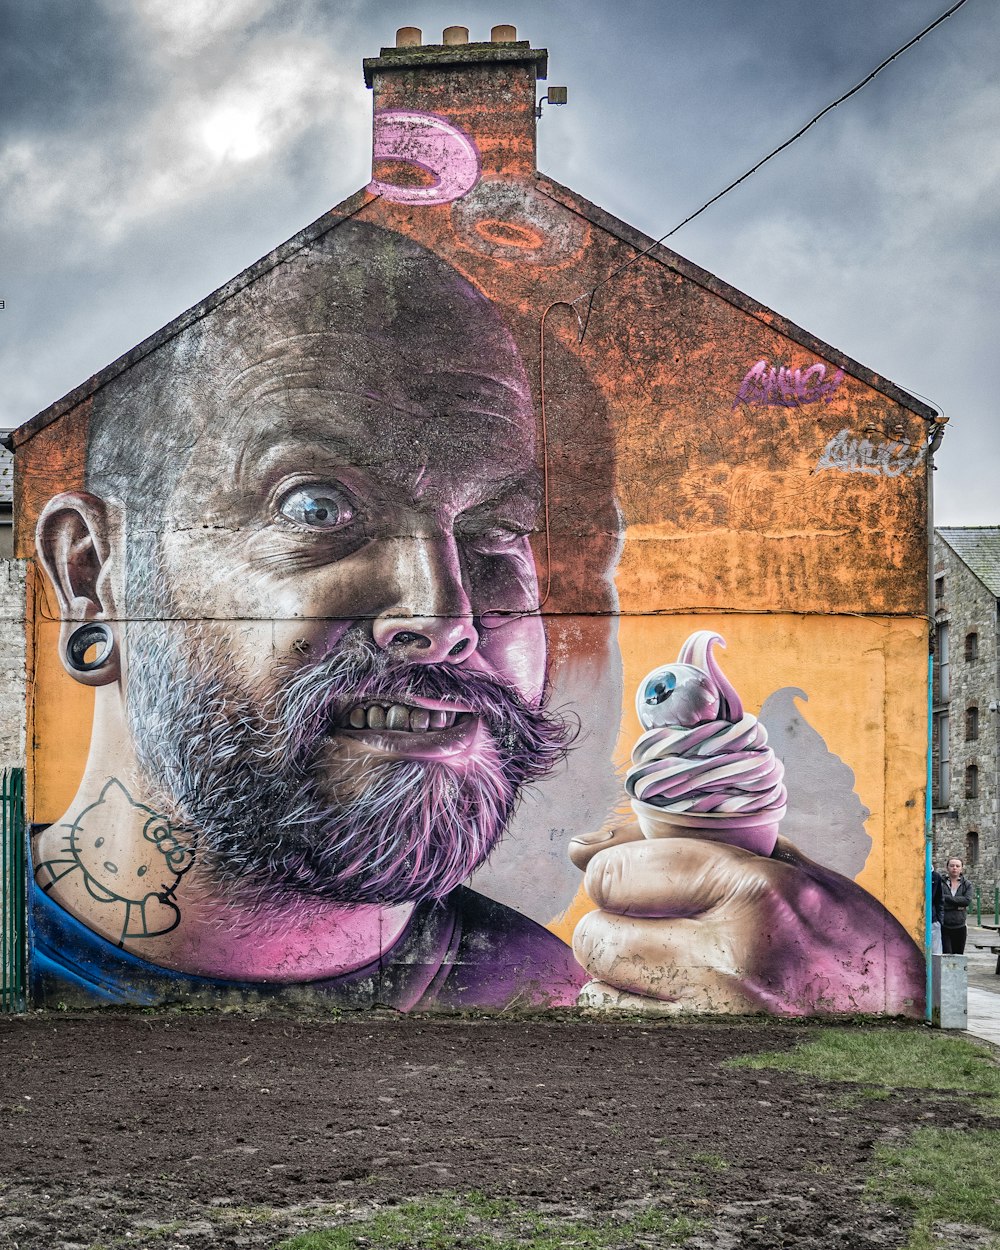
981, 904
12, 882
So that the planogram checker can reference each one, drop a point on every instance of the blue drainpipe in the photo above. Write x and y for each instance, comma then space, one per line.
935, 435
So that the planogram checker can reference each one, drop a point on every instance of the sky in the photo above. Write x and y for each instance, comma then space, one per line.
152, 149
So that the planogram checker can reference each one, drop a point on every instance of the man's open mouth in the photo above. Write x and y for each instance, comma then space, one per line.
402, 718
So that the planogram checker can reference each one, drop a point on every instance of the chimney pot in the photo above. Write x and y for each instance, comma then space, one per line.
409, 37
503, 34
454, 35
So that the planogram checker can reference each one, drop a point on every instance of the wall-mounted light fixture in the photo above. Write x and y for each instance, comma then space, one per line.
554, 95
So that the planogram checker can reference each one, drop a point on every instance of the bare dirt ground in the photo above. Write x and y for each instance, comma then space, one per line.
228, 1130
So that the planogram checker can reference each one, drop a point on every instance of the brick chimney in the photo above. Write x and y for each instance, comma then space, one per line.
446, 112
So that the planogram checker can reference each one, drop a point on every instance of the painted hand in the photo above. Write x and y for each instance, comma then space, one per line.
690, 925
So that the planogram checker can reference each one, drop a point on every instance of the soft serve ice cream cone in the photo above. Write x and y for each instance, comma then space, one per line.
703, 768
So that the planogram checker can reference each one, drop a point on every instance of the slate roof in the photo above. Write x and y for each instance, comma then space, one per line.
978, 546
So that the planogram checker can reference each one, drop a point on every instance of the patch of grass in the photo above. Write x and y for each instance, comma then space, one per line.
713, 1161
942, 1174
241, 1216
857, 1097
476, 1222
892, 1058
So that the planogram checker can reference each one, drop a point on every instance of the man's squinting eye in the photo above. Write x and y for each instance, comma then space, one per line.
495, 539
318, 506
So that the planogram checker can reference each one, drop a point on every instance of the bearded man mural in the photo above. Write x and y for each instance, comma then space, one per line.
300, 578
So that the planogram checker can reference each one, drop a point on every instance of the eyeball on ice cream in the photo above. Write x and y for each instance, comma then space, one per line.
676, 694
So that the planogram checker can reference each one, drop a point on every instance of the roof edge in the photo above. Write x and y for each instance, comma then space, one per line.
657, 251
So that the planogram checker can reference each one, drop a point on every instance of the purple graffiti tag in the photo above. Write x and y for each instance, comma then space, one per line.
767, 387
432, 144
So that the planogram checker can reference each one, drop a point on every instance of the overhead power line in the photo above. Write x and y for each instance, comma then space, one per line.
763, 161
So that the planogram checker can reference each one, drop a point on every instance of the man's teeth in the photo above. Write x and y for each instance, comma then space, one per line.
399, 717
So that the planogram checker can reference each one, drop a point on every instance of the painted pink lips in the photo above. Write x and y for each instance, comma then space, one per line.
409, 729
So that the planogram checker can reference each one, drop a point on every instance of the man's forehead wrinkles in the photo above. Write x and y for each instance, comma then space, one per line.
365, 430
361, 359
335, 416
300, 397
349, 361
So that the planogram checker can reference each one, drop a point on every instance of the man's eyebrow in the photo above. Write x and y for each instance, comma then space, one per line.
270, 444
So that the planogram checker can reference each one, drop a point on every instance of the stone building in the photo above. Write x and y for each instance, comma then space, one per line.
967, 699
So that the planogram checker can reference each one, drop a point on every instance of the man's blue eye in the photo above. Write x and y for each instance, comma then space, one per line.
320, 507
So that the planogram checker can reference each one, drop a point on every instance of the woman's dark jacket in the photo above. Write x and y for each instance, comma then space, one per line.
937, 896
956, 903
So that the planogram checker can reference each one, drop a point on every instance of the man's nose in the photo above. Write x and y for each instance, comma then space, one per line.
430, 621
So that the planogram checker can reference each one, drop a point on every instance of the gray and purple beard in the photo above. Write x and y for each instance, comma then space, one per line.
242, 776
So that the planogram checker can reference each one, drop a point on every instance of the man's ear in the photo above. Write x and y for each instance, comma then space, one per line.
74, 540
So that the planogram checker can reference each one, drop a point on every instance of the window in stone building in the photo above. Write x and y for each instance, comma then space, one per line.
971, 724
971, 647
971, 849
943, 775
943, 667
938, 587
972, 782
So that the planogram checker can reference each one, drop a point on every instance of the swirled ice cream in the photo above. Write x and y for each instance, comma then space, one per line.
703, 767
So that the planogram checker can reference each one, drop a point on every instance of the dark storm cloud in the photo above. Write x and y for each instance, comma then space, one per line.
62, 63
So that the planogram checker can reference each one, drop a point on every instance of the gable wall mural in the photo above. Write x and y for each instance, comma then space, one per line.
391, 643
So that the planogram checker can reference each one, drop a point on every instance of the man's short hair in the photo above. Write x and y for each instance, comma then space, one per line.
360, 303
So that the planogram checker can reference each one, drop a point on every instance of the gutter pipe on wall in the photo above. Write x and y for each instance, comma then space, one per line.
934, 442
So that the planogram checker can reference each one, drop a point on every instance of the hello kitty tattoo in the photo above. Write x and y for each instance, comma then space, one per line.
140, 894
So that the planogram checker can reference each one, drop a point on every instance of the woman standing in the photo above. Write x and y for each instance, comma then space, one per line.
956, 897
